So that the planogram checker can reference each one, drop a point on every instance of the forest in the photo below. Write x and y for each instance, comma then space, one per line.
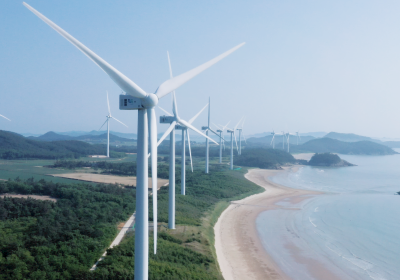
47, 240
62, 240
263, 158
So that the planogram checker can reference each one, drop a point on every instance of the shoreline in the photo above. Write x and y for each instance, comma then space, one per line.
238, 246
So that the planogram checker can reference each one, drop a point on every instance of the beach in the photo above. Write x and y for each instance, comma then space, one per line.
239, 249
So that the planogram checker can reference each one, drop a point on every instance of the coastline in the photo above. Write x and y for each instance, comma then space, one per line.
239, 248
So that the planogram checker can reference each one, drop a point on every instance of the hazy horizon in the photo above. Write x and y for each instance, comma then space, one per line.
308, 66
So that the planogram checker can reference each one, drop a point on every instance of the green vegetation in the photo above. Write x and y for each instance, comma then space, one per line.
115, 168
62, 240
187, 252
325, 159
15, 146
47, 240
328, 145
263, 158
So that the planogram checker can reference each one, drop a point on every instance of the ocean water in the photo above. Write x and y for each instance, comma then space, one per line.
353, 230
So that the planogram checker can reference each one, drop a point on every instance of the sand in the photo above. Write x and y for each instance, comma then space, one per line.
108, 179
240, 252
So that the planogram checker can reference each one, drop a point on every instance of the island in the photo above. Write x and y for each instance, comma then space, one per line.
328, 159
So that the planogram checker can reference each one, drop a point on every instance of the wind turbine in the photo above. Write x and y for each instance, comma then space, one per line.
137, 99
233, 134
240, 137
173, 120
288, 141
283, 140
208, 128
298, 137
108, 126
221, 129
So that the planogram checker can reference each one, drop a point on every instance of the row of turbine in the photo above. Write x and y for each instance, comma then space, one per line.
138, 99
286, 137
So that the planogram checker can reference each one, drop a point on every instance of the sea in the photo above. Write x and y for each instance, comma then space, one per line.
352, 230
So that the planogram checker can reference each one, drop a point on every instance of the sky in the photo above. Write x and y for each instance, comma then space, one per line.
306, 66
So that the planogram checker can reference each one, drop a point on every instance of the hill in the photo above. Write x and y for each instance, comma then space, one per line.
328, 145
90, 138
263, 158
14, 146
349, 137
328, 159
266, 140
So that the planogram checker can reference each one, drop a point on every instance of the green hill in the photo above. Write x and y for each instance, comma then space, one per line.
14, 146
263, 158
328, 145
328, 159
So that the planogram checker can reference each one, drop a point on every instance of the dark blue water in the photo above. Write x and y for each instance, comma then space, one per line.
353, 229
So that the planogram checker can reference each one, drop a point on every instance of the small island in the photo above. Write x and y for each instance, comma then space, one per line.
328, 159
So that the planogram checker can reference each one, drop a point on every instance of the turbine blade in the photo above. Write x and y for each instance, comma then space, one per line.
174, 105
209, 110
153, 151
190, 150
165, 111
188, 125
174, 83
238, 124
103, 123
226, 125
243, 122
5, 117
166, 133
108, 104
120, 79
195, 117
214, 132
119, 121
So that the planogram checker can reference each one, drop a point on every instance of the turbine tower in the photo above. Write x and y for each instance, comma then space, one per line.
108, 126
233, 135
137, 99
220, 130
288, 136
240, 137
208, 128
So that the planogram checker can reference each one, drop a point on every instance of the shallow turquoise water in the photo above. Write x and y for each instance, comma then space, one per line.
353, 230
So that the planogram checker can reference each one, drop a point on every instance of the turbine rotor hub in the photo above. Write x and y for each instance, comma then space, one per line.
150, 101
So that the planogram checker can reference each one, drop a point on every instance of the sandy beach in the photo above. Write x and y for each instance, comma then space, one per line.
240, 252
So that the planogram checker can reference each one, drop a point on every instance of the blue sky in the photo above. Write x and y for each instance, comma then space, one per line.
306, 65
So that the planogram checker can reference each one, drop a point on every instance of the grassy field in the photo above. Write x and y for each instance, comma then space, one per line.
24, 169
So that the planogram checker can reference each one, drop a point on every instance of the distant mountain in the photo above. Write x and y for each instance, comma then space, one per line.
96, 132
14, 146
52, 136
266, 140
392, 144
349, 137
318, 134
329, 145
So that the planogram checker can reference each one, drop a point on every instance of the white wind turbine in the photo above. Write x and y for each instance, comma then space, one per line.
137, 99
233, 135
240, 137
108, 126
288, 141
220, 130
208, 128
273, 138
174, 120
